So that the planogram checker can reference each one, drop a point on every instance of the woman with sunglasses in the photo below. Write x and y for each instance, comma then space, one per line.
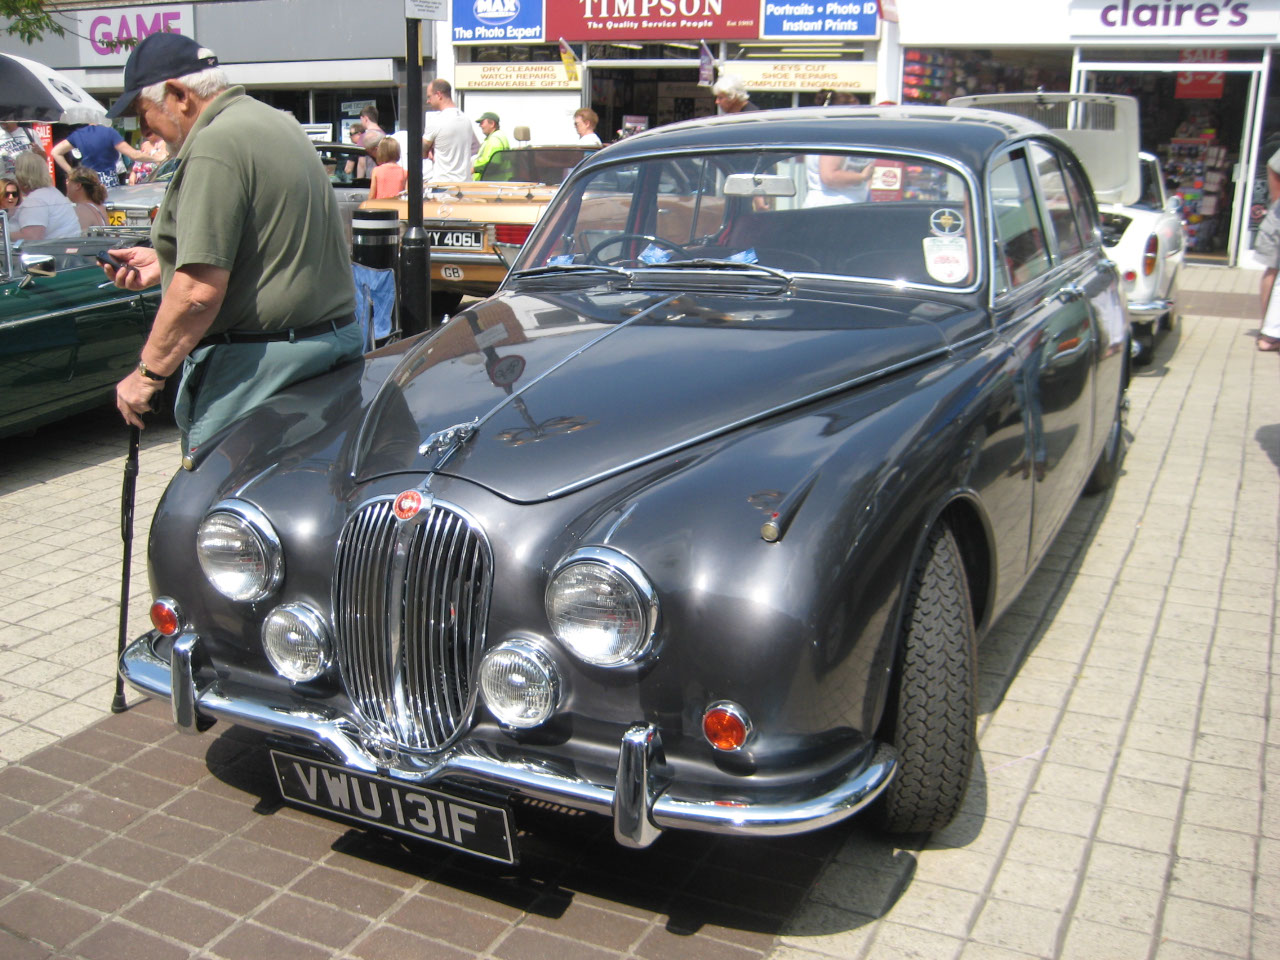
12, 195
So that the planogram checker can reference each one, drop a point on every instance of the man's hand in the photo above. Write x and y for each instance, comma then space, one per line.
133, 397
141, 268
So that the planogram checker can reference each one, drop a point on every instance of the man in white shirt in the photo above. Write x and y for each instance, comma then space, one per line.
452, 137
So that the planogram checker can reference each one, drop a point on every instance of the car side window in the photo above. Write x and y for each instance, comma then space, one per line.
1064, 231
1020, 242
1081, 202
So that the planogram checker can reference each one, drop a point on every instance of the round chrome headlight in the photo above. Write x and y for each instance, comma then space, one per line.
520, 684
602, 607
296, 642
239, 551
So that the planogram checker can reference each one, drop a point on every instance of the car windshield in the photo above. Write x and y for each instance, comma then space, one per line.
848, 214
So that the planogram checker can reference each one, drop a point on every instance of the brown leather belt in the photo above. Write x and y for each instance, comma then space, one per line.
279, 336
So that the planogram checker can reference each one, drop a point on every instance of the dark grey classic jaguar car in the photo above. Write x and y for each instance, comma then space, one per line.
697, 521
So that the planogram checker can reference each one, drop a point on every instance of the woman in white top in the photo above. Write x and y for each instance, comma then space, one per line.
86, 191
44, 213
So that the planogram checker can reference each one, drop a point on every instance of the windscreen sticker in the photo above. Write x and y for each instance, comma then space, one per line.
745, 256
946, 223
946, 258
654, 254
563, 260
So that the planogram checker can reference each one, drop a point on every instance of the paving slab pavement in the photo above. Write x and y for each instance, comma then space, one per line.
1120, 809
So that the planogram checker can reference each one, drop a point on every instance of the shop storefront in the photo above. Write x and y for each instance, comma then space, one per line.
642, 63
1200, 72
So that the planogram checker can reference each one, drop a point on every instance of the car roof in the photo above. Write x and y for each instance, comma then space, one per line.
970, 136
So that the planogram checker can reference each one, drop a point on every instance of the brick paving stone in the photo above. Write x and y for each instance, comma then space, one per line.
44, 918
391, 943
118, 940
248, 941
1016, 926
179, 918
89, 886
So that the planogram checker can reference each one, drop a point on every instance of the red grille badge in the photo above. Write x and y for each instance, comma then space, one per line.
408, 504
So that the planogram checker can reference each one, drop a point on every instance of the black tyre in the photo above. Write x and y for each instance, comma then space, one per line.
1107, 470
934, 721
1144, 339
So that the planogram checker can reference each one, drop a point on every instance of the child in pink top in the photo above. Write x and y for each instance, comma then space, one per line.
389, 177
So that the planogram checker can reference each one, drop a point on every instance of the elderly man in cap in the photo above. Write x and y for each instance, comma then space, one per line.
248, 248
489, 164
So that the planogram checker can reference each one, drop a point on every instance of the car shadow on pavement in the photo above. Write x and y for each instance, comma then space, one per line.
744, 891
1268, 438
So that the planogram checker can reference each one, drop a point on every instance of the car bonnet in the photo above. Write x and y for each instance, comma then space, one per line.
536, 396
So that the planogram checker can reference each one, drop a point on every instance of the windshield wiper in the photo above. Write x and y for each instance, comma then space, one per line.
555, 269
709, 263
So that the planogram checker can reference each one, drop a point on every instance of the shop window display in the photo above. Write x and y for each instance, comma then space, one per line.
935, 76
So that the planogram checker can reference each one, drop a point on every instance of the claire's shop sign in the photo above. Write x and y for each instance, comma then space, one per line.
1152, 19
102, 29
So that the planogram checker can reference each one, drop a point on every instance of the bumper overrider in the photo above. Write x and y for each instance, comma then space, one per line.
1149, 311
640, 803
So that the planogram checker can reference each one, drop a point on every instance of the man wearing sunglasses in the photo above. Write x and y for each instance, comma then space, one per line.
248, 246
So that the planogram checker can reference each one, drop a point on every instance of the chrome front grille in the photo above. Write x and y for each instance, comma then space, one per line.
410, 600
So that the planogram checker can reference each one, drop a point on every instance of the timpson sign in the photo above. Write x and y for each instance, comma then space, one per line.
1218, 20
600, 21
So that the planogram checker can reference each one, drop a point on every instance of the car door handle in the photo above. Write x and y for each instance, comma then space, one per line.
1070, 293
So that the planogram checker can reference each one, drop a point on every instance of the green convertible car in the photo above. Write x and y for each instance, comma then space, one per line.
66, 335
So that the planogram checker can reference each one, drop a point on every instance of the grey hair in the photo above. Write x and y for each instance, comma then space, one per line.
31, 170
205, 84
730, 86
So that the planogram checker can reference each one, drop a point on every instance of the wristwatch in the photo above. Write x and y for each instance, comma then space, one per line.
150, 374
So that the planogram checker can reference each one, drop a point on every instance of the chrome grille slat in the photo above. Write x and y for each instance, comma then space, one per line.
410, 601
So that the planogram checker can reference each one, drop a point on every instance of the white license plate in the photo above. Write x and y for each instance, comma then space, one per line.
444, 818
457, 239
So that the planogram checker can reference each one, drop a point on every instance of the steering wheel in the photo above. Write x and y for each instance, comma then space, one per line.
621, 238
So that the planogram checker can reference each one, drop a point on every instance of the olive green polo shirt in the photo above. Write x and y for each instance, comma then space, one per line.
250, 195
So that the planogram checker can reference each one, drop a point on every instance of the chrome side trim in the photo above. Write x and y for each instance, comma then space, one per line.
515, 773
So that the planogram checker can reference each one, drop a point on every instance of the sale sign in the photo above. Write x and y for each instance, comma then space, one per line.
1199, 84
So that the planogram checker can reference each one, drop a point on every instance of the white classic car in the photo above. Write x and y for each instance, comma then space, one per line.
1141, 228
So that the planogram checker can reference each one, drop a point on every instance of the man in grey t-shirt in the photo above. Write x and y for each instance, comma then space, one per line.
452, 137
1266, 247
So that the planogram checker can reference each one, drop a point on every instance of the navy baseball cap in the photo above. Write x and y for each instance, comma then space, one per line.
159, 57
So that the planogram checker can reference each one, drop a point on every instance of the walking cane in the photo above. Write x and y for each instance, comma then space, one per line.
127, 492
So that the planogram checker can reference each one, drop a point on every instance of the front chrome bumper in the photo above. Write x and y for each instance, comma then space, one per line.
639, 803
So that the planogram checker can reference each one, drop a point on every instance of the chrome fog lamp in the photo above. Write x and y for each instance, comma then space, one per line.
602, 607
296, 642
239, 551
520, 684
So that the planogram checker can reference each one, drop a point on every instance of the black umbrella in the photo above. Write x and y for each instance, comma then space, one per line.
30, 91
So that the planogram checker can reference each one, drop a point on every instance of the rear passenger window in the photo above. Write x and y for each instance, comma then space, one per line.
1064, 232
1020, 240
1081, 202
